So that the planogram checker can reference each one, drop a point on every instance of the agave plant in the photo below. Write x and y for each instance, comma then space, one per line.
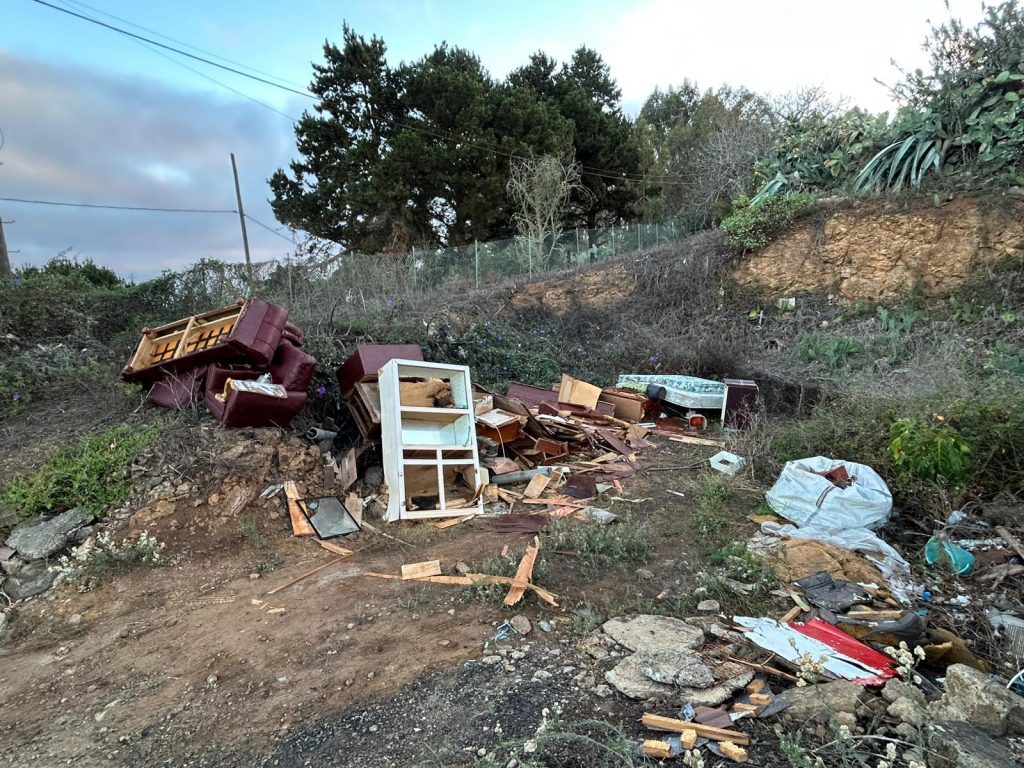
905, 161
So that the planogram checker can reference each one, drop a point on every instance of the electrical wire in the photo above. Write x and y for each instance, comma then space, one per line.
589, 170
65, 204
270, 229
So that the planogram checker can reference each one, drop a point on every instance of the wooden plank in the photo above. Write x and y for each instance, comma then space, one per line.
300, 525
659, 723
472, 579
524, 573
761, 699
698, 441
307, 574
764, 668
735, 753
536, 486
452, 521
791, 614
419, 570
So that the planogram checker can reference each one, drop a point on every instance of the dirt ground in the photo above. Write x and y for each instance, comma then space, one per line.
195, 664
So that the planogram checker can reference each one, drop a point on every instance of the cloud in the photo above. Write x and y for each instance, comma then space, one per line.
87, 136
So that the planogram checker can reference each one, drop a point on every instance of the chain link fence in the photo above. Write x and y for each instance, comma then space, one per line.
366, 282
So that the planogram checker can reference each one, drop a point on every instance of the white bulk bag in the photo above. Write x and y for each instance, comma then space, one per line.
803, 495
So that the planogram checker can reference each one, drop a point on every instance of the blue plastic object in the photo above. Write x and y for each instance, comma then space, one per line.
938, 550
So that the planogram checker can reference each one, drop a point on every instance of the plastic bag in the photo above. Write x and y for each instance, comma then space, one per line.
802, 494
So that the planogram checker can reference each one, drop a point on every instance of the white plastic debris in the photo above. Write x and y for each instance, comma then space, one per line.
804, 495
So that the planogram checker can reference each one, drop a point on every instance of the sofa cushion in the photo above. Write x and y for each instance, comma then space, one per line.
292, 368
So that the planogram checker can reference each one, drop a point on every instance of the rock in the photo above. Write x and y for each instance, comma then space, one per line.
897, 689
491, 660
629, 677
546, 626
647, 633
594, 648
34, 579
645, 575
542, 675
958, 745
12, 566
845, 718
5, 620
709, 606
602, 690
676, 668
908, 711
84, 533
41, 536
971, 697
462, 568
819, 702
521, 624
75, 619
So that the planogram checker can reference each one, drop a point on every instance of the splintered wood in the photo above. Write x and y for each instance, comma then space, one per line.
659, 723
524, 573
300, 525
536, 486
659, 750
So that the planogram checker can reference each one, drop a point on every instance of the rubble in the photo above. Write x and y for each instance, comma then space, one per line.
954, 744
820, 701
42, 536
973, 698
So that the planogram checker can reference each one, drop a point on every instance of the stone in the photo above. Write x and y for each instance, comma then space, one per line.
32, 580
521, 624
908, 711
43, 536
819, 702
897, 689
845, 718
602, 691
462, 569
645, 575
971, 697
75, 619
647, 633
542, 675
593, 647
676, 668
546, 626
629, 678
709, 606
958, 745
491, 660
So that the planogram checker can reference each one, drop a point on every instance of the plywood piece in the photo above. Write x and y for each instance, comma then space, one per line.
536, 486
300, 525
578, 392
657, 722
419, 570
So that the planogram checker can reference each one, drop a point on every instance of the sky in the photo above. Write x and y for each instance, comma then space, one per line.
91, 116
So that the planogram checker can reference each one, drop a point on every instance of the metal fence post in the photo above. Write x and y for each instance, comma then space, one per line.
412, 264
639, 245
577, 230
656, 236
476, 261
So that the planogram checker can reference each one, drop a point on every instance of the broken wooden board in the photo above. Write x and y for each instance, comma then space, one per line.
419, 570
453, 521
697, 441
659, 750
735, 753
332, 547
659, 723
578, 392
524, 573
536, 486
473, 579
300, 524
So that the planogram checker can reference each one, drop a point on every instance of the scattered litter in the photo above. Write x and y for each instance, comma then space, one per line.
271, 491
938, 550
806, 496
330, 517
839, 654
420, 570
727, 463
826, 592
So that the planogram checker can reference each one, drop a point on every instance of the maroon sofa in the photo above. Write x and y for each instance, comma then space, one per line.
290, 367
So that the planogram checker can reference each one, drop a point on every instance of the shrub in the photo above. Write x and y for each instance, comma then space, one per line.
754, 225
599, 546
928, 450
89, 474
101, 553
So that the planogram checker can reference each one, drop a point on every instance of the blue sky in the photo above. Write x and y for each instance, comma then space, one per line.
91, 116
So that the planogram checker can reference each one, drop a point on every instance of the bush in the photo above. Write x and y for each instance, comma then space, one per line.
753, 225
89, 474
100, 554
929, 450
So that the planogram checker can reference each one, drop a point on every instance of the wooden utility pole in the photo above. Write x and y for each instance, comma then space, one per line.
6, 275
241, 219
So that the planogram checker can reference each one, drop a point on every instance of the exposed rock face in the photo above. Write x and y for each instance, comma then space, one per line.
646, 633
973, 698
41, 537
34, 579
872, 253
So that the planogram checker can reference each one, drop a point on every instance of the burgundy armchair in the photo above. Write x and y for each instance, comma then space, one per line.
291, 368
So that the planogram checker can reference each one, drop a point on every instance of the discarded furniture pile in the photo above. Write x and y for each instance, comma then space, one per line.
244, 361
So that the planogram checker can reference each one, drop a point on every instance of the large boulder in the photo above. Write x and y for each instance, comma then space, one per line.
34, 579
650, 634
821, 701
973, 698
958, 745
44, 536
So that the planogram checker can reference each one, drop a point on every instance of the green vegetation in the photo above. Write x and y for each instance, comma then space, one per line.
833, 351
600, 546
753, 225
930, 450
711, 517
90, 473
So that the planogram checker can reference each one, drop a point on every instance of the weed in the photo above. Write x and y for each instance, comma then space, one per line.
711, 517
833, 352
251, 532
930, 450
90, 474
101, 553
754, 225
599, 546
268, 563
739, 563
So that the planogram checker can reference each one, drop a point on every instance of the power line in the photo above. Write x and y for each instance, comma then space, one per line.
173, 49
599, 172
65, 204
78, 4
270, 229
